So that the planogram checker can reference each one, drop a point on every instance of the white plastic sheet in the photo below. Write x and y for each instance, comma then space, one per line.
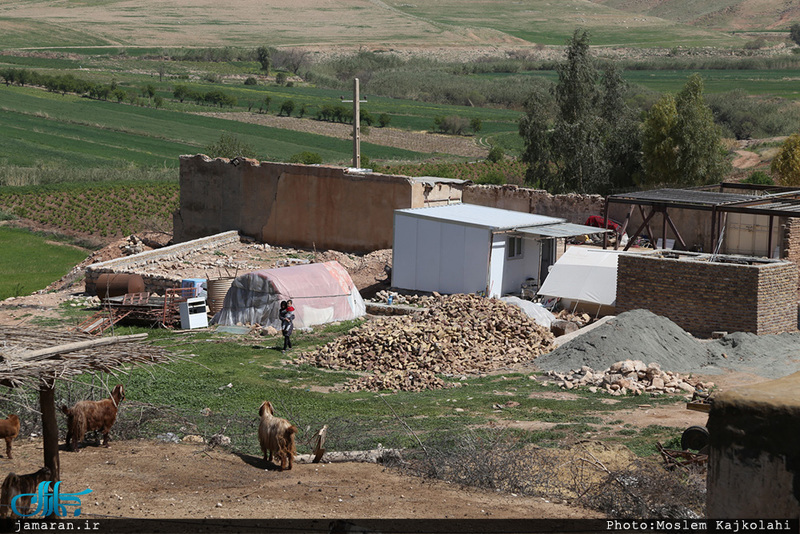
585, 275
534, 310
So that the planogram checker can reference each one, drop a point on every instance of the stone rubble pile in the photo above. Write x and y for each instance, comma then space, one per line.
456, 335
422, 301
628, 377
133, 244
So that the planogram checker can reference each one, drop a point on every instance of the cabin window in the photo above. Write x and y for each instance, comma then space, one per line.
514, 247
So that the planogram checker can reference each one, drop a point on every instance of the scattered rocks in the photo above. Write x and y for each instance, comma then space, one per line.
457, 335
628, 377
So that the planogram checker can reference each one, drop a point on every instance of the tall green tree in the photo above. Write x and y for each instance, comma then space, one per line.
264, 57
786, 165
681, 143
581, 149
794, 32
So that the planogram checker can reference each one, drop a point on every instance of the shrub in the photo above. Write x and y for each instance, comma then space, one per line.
384, 119
229, 146
306, 157
251, 81
280, 78
759, 178
492, 178
496, 154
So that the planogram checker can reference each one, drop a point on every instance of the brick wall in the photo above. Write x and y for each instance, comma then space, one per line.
702, 296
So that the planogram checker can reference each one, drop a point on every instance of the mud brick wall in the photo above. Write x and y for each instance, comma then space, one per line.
702, 297
572, 207
754, 457
295, 205
137, 263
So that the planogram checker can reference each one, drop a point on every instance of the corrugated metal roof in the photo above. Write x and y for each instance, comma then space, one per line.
483, 216
683, 197
562, 230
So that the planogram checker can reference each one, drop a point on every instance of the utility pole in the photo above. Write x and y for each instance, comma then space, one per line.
356, 124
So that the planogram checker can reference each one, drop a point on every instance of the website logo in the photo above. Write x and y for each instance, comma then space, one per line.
48, 502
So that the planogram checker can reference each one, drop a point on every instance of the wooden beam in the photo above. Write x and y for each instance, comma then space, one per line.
675, 230
47, 405
43, 354
639, 230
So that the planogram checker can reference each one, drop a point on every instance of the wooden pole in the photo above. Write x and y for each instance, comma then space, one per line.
47, 405
356, 125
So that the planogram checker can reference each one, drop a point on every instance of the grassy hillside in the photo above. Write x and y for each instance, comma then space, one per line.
353, 23
716, 14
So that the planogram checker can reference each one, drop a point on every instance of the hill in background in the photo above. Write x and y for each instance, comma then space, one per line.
353, 23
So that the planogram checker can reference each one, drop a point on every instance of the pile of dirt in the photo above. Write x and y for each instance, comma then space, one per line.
642, 335
457, 335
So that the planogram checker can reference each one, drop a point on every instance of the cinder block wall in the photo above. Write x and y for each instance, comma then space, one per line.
702, 297
754, 460
137, 263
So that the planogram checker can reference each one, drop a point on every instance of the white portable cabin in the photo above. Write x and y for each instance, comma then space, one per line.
466, 248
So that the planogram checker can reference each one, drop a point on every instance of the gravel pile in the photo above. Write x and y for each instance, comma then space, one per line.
457, 335
642, 335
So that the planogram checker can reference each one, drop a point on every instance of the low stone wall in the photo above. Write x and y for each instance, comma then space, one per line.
155, 283
754, 460
733, 293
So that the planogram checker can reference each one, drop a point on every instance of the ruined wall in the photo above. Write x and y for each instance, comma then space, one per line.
137, 263
297, 205
754, 460
572, 207
703, 297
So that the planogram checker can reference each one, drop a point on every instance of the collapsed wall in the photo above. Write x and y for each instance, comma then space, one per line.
732, 293
137, 263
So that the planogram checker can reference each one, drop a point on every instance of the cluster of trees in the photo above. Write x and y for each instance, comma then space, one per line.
593, 142
214, 97
455, 125
68, 83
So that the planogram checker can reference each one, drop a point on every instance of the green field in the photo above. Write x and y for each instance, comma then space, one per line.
30, 262
44, 128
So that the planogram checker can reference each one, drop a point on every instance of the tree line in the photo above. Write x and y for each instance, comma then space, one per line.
594, 142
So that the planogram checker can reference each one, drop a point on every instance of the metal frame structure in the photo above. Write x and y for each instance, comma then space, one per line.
771, 201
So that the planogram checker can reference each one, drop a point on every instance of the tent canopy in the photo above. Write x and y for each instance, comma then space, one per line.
584, 275
320, 292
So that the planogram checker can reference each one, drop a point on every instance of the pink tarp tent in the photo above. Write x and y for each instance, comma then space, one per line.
321, 293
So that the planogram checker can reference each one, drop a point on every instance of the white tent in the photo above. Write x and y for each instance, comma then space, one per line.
583, 275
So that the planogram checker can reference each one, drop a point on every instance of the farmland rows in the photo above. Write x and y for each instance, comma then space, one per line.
104, 211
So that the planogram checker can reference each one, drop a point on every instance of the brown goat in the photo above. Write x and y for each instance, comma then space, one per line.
9, 429
93, 415
15, 485
276, 436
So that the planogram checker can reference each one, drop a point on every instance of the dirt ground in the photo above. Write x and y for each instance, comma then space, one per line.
147, 479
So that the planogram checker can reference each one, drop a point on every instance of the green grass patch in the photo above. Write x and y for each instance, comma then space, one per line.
30, 262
